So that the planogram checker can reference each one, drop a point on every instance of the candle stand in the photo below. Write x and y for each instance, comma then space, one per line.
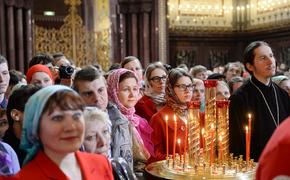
213, 160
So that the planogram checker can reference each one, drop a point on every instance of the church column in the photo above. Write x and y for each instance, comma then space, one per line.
11, 32
2, 30
133, 40
19, 37
28, 37
123, 37
163, 31
137, 36
146, 40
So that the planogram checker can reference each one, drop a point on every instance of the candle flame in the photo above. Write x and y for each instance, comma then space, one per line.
174, 117
166, 118
178, 141
185, 121
220, 138
250, 115
246, 128
202, 131
211, 125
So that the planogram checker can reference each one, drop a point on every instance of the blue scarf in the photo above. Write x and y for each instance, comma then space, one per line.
30, 141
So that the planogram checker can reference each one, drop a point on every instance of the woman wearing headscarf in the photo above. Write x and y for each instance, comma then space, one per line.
154, 95
178, 93
123, 90
53, 131
39, 75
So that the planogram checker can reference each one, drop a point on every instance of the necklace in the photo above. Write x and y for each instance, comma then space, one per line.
276, 121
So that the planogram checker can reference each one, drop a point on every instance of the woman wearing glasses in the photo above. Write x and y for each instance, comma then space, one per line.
179, 88
154, 95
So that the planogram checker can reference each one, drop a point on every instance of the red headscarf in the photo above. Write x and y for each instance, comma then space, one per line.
37, 68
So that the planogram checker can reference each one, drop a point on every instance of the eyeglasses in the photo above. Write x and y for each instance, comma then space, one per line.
185, 87
157, 79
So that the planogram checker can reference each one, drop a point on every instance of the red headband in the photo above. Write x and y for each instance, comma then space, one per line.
37, 68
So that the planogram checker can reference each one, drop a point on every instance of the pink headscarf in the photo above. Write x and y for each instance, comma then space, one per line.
113, 88
139, 123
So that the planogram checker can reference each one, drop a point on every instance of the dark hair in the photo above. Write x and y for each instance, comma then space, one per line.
175, 74
88, 73
167, 67
58, 55
18, 99
2, 112
234, 80
129, 59
151, 67
115, 66
3, 60
40, 59
249, 55
126, 75
65, 100
14, 78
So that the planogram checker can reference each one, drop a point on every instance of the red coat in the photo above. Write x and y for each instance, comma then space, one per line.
275, 160
158, 124
145, 108
92, 166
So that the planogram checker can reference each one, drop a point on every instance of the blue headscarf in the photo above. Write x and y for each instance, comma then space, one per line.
30, 141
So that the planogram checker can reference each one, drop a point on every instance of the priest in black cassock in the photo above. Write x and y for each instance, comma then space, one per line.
267, 103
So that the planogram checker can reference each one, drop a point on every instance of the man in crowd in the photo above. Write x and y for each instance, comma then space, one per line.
4, 81
267, 103
91, 85
233, 69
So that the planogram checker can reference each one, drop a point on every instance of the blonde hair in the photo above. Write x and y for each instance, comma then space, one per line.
93, 114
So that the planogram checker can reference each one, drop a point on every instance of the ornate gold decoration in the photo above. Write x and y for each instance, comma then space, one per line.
186, 16
72, 39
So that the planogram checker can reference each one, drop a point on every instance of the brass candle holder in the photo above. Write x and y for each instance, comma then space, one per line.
211, 158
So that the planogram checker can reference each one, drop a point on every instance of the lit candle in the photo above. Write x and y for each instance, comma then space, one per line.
250, 132
203, 140
185, 138
174, 136
166, 134
247, 145
221, 148
212, 144
179, 149
202, 137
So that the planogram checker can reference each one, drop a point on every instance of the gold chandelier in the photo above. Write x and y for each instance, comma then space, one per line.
224, 15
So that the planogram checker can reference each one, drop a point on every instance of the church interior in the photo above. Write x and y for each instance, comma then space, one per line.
248, 39
192, 32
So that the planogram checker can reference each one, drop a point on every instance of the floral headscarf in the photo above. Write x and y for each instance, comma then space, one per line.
141, 125
172, 100
113, 88
158, 99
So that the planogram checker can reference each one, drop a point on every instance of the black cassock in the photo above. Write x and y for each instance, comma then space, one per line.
248, 99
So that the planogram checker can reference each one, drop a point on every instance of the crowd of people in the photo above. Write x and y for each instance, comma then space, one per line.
65, 122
